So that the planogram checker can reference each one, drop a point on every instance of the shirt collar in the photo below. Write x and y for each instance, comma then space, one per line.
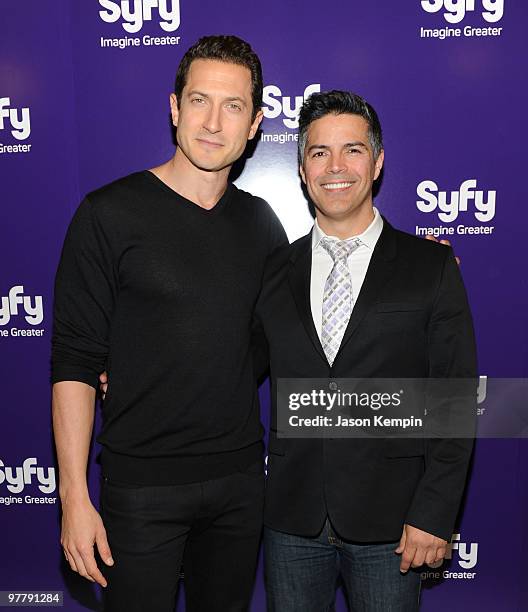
368, 238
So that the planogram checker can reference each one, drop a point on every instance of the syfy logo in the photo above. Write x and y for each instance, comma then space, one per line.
34, 313
456, 10
275, 104
467, 553
457, 201
134, 13
19, 120
17, 478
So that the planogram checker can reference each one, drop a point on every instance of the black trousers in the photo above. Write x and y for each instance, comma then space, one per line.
213, 528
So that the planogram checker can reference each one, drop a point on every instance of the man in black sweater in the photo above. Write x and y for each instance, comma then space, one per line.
157, 284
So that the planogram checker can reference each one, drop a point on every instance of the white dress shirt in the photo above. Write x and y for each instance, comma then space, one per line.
322, 264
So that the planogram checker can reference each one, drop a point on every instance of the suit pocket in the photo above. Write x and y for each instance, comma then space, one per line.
404, 447
398, 307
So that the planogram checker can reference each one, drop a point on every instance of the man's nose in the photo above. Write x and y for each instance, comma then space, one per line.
336, 163
213, 122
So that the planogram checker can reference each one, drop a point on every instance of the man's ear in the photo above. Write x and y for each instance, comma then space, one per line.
175, 112
378, 164
301, 172
255, 125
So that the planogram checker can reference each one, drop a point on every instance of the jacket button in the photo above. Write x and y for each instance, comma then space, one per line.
332, 386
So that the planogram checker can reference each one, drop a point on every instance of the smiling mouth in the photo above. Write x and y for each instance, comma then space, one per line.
336, 186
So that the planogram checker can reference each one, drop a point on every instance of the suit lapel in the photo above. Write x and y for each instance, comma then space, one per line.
380, 268
299, 278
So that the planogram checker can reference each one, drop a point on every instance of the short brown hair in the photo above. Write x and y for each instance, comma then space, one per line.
229, 49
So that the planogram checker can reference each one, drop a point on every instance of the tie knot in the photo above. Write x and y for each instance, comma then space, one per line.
340, 249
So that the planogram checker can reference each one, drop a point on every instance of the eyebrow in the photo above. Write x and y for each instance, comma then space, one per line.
195, 92
236, 99
358, 143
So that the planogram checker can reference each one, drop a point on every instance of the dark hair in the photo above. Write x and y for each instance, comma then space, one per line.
339, 103
229, 49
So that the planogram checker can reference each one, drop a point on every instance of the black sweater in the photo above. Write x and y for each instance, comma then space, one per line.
160, 292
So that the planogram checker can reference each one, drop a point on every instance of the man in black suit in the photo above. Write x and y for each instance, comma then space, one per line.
357, 298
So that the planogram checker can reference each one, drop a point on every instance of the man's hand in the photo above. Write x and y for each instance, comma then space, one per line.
103, 383
418, 547
431, 237
82, 527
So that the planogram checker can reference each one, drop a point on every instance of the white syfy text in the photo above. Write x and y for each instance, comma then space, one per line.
450, 205
18, 120
274, 104
34, 312
17, 478
134, 13
458, 200
455, 10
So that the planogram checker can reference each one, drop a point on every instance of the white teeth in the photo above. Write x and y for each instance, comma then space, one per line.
331, 186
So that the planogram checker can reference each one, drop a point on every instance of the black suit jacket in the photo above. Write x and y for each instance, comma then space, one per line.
410, 320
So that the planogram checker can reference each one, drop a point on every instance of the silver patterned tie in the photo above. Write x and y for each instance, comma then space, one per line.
337, 296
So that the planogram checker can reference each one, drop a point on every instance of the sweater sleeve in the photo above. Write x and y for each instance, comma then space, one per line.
276, 237
85, 294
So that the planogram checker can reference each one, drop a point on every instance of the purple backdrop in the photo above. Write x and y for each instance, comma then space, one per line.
77, 110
